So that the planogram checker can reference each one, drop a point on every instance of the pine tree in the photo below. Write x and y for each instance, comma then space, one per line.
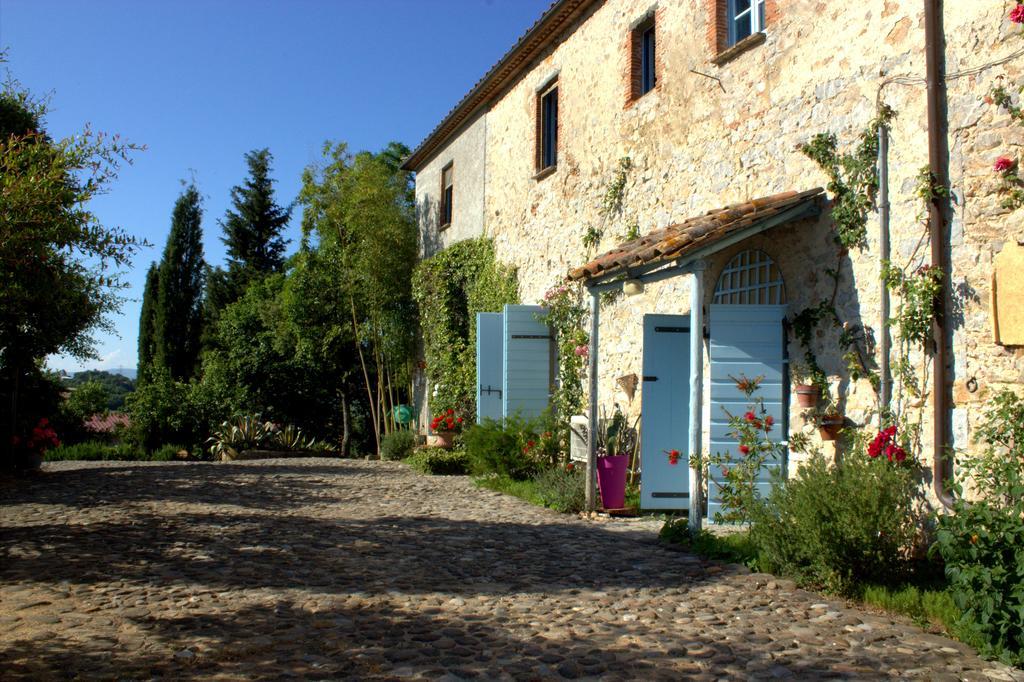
147, 320
252, 234
178, 319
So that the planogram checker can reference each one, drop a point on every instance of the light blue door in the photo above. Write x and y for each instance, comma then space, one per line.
489, 361
746, 341
665, 412
527, 375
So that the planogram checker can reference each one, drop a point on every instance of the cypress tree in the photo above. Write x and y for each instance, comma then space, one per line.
178, 319
252, 234
147, 320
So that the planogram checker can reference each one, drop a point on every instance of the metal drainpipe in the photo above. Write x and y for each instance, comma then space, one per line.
938, 166
885, 342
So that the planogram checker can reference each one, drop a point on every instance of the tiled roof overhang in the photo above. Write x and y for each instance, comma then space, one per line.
700, 236
537, 38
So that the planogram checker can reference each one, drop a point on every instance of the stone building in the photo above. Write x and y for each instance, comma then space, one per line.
610, 119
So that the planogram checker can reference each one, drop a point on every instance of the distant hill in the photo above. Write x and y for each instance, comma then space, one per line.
129, 372
118, 385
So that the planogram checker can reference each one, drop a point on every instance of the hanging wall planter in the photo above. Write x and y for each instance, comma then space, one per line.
807, 395
829, 426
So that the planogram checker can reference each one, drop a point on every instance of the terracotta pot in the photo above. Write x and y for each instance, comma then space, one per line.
444, 439
830, 426
807, 395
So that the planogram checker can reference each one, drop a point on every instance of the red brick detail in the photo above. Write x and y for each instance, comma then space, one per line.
633, 48
717, 26
771, 12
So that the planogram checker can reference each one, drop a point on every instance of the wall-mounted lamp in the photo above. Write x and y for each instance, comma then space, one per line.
632, 287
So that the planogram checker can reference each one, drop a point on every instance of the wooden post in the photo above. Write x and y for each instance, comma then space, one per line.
595, 305
696, 392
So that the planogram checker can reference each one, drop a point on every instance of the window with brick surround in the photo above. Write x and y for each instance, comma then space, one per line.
642, 63
447, 194
745, 18
547, 127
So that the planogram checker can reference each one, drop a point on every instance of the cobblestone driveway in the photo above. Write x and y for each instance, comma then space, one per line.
352, 569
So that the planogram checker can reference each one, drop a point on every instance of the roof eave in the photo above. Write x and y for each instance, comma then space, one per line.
537, 38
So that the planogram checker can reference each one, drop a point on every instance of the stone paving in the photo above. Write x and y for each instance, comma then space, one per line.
365, 570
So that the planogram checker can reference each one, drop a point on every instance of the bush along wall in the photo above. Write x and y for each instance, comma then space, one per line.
450, 288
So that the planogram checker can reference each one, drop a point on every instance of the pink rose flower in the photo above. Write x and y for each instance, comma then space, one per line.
1017, 14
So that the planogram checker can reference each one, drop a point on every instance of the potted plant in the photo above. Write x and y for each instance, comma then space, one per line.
445, 427
615, 442
830, 422
807, 391
29, 451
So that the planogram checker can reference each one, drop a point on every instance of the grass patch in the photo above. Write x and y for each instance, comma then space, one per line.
524, 490
735, 548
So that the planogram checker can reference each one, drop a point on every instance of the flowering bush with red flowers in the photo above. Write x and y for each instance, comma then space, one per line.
447, 421
673, 456
738, 474
885, 443
36, 443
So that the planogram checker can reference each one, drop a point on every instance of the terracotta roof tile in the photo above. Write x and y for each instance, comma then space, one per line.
675, 241
106, 423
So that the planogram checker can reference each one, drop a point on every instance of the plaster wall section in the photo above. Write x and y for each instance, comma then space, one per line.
709, 135
466, 152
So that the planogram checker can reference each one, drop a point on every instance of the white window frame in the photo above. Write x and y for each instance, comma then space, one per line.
756, 13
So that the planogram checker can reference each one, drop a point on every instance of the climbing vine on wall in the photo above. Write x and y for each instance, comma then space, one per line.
853, 178
566, 315
853, 181
450, 288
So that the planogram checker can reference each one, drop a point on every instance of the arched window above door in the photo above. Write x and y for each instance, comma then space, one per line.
750, 278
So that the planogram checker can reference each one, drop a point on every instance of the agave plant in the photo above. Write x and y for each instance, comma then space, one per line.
291, 438
246, 432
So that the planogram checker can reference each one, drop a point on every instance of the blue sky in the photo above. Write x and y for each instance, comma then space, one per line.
201, 83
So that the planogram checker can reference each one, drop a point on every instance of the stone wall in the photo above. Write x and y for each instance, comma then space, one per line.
710, 135
466, 151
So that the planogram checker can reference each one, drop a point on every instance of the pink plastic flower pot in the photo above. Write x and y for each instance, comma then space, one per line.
611, 480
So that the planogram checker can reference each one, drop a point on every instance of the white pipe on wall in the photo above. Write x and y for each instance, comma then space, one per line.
696, 391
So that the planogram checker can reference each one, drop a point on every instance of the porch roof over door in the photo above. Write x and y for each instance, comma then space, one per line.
699, 236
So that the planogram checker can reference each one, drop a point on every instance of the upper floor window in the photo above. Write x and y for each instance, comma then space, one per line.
547, 127
745, 18
643, 71
447, 194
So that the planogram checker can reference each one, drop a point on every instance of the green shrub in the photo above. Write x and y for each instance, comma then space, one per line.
503, 449
838, 526
95, 451
166, 453
982, 543
439, 462
397, 445
562, 488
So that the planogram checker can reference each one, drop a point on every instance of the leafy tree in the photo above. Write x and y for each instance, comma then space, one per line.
147, 319
163, 411
317, 313
177, 322
60, 268
88, 399
361, 208
254, 366
116, 386
252, 234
